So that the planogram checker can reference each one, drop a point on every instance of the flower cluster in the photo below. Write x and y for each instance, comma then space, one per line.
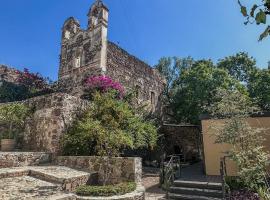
104, 84
31, 80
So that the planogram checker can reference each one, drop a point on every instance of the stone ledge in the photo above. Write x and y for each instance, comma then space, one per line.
68, 178
21, 159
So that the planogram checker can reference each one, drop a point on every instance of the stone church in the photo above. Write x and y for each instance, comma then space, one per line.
89, 52
84, 53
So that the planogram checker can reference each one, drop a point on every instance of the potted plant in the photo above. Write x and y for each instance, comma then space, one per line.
12, 118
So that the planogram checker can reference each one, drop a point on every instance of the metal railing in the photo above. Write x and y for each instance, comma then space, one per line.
170, 171
223, 173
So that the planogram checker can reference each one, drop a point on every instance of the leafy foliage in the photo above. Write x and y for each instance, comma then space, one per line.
109, 190
10, 92
240, 66
192, 84
257, 14
109, 125
171, 68
12, 117
107, 128
247, 142
193, 87
27, 85
259, 88
244, 195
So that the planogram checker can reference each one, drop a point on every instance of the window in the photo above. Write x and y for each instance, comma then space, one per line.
153, 98
77, 62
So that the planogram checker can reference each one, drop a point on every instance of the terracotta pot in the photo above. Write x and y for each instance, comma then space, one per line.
8, 144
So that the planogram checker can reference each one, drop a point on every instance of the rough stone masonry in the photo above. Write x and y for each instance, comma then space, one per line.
84, 53
88, 52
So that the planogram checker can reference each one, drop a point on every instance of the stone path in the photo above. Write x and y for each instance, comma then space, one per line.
50, 182
151, 183
26, 187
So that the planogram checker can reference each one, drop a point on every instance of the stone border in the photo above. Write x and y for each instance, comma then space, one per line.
138, 194
22, 159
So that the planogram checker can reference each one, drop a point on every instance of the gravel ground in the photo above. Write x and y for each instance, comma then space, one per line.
151, 184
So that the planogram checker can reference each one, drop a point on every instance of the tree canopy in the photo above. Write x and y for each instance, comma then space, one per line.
192, 84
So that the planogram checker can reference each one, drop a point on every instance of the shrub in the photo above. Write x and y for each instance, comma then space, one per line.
12, 116
32, 81
102, 84
246, 141
243, 195
108, 127
10, 92
109, 190
27, 85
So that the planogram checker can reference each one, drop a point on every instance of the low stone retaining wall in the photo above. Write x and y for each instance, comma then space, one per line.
21, 159
124, 169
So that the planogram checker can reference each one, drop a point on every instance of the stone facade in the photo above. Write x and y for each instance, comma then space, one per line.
51, 117
182, 139
84, 53
8, 74
124, 169
88, 52
135, 74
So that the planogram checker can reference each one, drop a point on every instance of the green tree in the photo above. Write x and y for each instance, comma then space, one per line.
107, 128
171, 68
239, 66
12, 116
247, 151
259, 88
258, 13
196, 88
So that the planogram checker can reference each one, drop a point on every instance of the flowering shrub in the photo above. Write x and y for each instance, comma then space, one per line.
32, 81
103, 84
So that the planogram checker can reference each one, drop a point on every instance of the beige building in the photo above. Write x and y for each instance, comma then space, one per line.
213, 152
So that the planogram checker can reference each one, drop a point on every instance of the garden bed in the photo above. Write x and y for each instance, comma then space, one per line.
107, 190
137, 194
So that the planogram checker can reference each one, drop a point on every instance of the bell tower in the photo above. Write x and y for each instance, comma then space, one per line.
98, 15
84, 51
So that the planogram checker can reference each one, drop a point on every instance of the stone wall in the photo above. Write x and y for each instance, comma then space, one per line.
124, 169
8, 74
182, 139
21, 159
136, 75
52, 115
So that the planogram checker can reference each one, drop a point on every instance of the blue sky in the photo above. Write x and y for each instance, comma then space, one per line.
31, 30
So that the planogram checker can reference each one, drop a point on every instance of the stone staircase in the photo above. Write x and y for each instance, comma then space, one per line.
195, 190
26, 175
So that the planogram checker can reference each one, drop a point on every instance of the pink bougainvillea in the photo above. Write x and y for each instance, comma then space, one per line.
104, 84
31, 80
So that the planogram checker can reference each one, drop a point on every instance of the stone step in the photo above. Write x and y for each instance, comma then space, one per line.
191, 197
198, 184
196, 191
69, 178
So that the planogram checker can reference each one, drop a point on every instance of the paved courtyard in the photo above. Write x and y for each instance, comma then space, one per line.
151, 183
26, 187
